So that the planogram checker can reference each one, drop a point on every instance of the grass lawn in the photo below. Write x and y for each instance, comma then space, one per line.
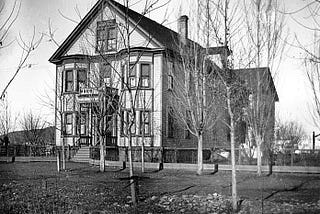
36, 187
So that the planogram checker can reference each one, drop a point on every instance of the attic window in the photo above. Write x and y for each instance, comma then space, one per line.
106, 35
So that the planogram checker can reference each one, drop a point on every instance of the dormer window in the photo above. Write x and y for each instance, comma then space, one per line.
106, 35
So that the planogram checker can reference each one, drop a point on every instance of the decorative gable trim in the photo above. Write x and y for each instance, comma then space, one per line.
91, 15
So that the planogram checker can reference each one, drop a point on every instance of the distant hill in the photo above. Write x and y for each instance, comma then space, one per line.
47, 136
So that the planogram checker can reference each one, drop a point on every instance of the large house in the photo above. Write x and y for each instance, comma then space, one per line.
92, 79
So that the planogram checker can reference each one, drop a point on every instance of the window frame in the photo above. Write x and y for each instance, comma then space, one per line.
69, 83
143, 124
124, 124
132, 68
67, 123
143, 76
84, 82
105, 74
104, 41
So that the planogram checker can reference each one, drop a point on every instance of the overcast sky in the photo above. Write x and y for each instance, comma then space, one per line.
31, 83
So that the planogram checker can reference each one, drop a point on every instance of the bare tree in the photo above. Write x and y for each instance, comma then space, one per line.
263, 45
32, 126
311, 59
224, 24
27, 46
53, 100
7, 120
7, 22
289, 134
192, 102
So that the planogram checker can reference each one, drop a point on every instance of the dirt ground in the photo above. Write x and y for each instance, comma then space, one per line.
38, 188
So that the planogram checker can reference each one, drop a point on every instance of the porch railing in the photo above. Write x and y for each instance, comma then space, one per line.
86, 91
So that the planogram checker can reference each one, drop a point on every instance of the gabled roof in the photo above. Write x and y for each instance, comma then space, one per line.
166, 37
265, 75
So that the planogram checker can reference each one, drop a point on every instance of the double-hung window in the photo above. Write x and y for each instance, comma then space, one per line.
126, 122
81, 78
68, 123
106, 74
145, 75
145, 123
69, 81
132, 76
106, 35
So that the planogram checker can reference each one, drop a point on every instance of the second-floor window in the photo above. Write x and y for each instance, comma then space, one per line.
132, 76
69, 81
106, 74
81, 78
106, 35
145, 75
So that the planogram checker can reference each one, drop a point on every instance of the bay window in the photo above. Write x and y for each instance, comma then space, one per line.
145, 75
68, 80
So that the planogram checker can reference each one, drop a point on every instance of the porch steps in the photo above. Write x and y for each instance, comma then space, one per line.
83, 155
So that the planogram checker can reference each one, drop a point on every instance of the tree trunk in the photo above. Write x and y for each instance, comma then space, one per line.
233, 158
102, 155
259, 156
200, 156
132, 181
142, 154
270, 170
63, 156
233, 165
58, 160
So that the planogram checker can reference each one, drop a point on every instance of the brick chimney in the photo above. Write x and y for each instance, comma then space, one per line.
183, 29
